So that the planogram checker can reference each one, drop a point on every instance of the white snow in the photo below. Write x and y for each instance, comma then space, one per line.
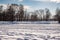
31, 31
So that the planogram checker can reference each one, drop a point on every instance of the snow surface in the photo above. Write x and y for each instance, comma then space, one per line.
16, 31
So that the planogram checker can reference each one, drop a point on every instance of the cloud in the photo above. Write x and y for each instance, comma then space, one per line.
27, 7
18, 0
41, 0
57, 1
4, 6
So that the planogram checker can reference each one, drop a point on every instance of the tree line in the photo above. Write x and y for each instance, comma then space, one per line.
10, 14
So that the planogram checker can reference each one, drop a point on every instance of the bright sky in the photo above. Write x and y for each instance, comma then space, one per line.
35, 4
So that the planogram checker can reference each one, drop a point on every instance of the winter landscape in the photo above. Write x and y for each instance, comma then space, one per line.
30, 31
29, 19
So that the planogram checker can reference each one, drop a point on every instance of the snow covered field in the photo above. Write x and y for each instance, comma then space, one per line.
29, 31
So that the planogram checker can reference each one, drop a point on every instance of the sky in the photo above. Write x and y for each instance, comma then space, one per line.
32, 5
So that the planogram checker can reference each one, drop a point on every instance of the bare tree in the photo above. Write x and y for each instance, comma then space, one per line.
1, 8
34, 17
41, 14
48, 14
21, 12
10, 14
1, 15
57, 16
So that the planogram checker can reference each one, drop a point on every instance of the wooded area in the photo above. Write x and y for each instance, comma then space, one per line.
16, 12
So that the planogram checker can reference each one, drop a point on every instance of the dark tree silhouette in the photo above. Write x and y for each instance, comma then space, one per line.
57, 16
47, 14
1, 15
21, 12
34, 17
10, 14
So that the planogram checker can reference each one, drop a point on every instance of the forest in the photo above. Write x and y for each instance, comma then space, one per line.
15, 12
